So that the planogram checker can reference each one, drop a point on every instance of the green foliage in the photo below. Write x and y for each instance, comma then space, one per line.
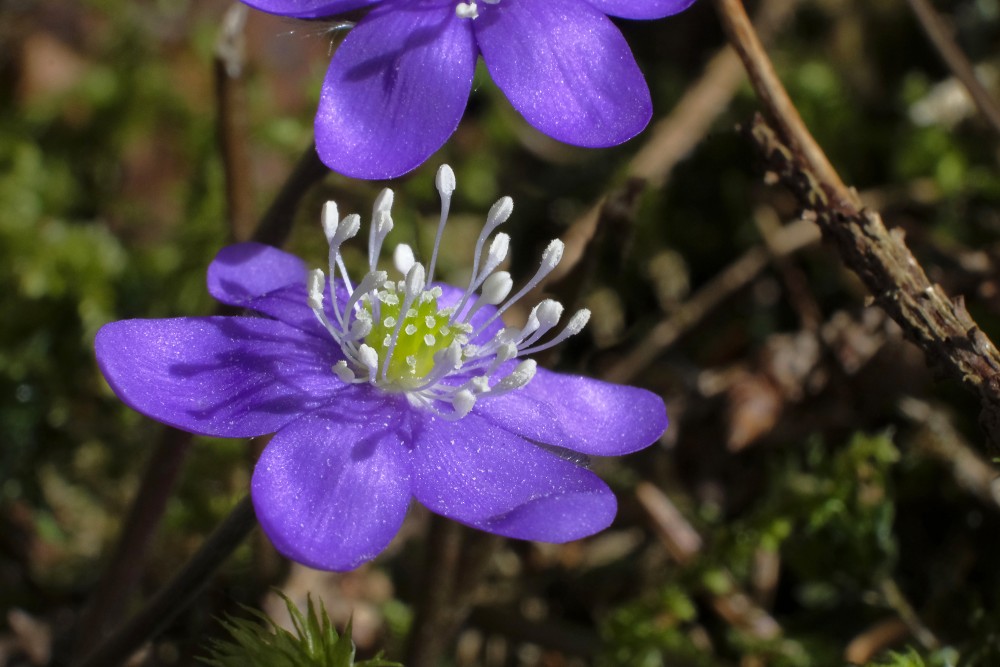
653, 631
945, 657
260, 642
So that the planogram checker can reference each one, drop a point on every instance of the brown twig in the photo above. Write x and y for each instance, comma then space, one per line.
670, 139
179, 592
940, 326
956, 61
744, 39
126, 565
971, 471
231, 121
896, 599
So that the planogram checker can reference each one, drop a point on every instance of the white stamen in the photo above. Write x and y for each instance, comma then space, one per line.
369, 359
315, 283
383, 202
520, 376
573, 327
499, 213
550, 258
447, 382
331, 219
544, 316
415, 280
402, 258
463, 402
497, 252
444, 181
496, 288
343, 372
467, 10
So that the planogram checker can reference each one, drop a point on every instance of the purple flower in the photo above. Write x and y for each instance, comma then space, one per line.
381, 391
398, 84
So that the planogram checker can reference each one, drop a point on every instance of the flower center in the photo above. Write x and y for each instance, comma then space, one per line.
394, 335
470, 10
419, 333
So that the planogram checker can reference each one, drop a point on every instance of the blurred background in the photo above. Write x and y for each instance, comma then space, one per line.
821, 497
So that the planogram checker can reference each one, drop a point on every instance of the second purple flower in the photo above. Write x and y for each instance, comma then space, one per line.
398, 85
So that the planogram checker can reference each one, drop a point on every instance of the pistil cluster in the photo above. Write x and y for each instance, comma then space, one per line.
396, 335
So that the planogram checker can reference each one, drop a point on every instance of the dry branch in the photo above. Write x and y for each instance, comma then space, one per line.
939, 325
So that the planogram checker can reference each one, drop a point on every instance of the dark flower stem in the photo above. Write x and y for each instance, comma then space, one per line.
167, 460
232, 121
179, 592
456, 560
276, 224
126, 565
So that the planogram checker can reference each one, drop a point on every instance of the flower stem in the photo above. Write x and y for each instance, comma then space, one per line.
276, 224
179, 592
456, 560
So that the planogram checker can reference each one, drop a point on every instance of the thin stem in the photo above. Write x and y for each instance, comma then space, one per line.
179, 592
232, 123
276, 224
457, 558
126, 564
166, 462
956, 61
770, 90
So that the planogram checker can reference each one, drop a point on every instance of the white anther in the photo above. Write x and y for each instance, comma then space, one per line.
466, 10
382, 203
520, 376
577, 322
497, 252
444, 181
381, 226
414, 281
314, 285
403, 259
369, 359
506, 351
463, 401
542, 318
331, 220
496, 288
360, 328
573, 327
553, 254
499, 213
343, 372
548, 313
347, 229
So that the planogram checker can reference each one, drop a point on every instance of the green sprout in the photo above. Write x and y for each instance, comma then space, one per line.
260, 642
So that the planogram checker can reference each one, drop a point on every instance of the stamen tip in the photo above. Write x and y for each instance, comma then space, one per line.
445, 181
